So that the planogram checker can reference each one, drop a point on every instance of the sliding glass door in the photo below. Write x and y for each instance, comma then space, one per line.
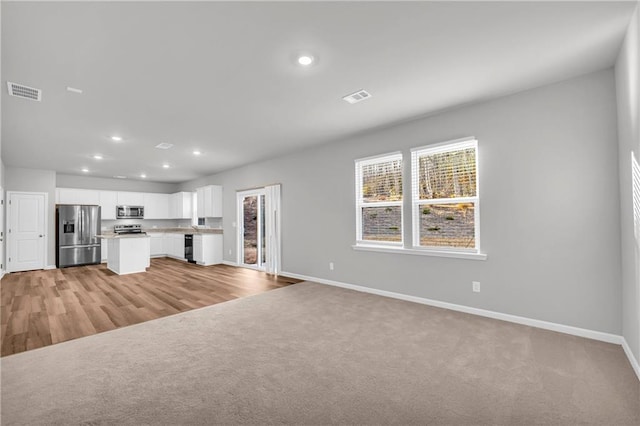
252, 241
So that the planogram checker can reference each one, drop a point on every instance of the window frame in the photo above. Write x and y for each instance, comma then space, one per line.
360, 204
416, 202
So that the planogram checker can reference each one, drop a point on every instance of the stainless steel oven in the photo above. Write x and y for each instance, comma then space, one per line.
129, 212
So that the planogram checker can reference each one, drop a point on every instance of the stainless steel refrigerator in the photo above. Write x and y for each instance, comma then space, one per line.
76, 241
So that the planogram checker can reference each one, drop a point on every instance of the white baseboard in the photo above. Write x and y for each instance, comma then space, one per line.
567, 329
2, 273
632, 359
50, 267
228, 262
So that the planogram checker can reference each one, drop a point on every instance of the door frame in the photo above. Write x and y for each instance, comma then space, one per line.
240, 228
45, 250
3, 238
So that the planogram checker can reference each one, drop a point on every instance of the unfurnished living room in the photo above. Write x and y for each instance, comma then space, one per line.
313, 213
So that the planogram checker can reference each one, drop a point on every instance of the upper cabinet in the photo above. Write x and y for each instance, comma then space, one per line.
210, 201
156, 206
77, 196
108, 202
180, 205
130, 199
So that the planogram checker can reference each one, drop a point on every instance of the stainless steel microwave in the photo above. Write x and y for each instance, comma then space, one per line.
129, 212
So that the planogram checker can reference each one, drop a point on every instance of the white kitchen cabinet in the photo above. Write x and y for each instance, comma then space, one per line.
207, 249
180, 205
128, 255
157, 244
130, 198
180, 246
210, 201
156, 206
103, 249
108, 202
77, 196
174, 245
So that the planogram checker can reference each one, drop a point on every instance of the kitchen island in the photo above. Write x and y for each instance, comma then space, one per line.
127, 254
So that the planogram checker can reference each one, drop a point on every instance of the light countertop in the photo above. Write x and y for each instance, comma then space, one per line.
110, 236
193, 231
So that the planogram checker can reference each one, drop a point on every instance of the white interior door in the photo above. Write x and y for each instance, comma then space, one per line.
26, 231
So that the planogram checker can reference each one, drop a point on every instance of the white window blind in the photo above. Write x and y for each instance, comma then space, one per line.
379, 200
445, 208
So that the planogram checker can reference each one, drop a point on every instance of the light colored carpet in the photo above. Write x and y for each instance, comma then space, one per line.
314, 354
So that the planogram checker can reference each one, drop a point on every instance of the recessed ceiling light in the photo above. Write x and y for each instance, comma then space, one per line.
166, 166
196, 152
116, 138
85, 170
164, 145
120, 177
98, 156
143, 176
74, 90
305, 60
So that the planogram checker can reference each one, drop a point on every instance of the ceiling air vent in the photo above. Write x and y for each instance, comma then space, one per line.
358, 96
164, 145
24, 92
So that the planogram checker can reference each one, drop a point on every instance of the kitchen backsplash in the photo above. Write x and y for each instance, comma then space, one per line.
147, 223
160, 223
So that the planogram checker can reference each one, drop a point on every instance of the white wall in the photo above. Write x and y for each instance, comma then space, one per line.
32, 180
108, 184
628, 97
550, 218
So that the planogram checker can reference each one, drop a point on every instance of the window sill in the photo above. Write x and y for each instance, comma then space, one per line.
421, 252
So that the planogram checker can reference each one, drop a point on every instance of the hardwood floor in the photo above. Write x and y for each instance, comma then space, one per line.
41, 308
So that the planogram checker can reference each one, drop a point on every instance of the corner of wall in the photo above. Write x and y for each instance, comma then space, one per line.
627, 74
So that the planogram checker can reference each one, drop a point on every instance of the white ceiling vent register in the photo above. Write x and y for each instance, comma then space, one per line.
164, 145
25, 92
358, 96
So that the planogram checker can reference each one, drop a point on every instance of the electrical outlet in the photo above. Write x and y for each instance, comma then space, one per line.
476, 286
331, 266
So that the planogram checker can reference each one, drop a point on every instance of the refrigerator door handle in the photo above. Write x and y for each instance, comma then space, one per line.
79, 246
82, 225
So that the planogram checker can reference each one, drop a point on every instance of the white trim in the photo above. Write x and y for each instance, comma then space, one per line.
48, 267
561, 328
417, 203
421, 252
127, 273
361, 204
389, 156
174, 257
632, 359
2, 273
382, 203
227, 262
240, 196
461, 143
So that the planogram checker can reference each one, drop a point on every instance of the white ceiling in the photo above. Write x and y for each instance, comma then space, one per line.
222, 78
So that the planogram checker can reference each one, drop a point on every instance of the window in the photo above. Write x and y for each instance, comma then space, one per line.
445, 196
635, 186
379, 200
